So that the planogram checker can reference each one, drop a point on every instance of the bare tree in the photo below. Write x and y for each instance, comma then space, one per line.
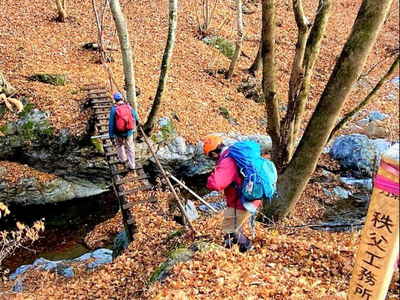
165, 64
239, 39
127, 53
61, 10
204, 21
296, 165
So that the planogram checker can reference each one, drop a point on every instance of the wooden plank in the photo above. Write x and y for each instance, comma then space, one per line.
142, 188
102, 123
379, 244
114, 153
119, 172
127, 205
95, 98
97, 91
90, 87
100, 106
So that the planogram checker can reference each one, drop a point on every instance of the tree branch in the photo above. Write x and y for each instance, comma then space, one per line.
367, 99
295, 82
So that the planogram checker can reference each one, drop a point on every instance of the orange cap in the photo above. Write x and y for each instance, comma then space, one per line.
211, 142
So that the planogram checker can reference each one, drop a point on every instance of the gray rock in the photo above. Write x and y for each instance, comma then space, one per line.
396, 81
377, 116
363, 122
83, 172
120, 243
188, 160
29, 191
341, 193
358, 153
20, 270
18, 287
365, 184
65, 267
381, 146
53, 79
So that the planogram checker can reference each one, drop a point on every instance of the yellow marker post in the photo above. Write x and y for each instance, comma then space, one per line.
379, 245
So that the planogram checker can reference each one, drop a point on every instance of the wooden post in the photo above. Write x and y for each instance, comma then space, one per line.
379, 245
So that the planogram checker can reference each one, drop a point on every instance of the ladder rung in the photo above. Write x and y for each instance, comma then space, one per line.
119, 172
130, 221
142, 188
102, 118
96, 98
115, 162
102, 106
89, 87
102, 123
122, 181
112, 153
100, 101
97, 91
127, 205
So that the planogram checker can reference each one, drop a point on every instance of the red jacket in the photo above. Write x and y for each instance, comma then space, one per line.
226, 177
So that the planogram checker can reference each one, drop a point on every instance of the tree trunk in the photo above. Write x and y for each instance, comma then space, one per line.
296, 78
367, 99
5, 87
239, 40
257, 62
127, 54
268, 80
173, 20
62, 10
303, 67
347, 69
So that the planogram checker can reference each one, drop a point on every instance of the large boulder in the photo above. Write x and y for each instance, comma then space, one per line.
358, 153
188, 160
29, 191
31, 140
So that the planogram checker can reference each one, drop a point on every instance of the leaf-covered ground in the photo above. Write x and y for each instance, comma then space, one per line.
295, 264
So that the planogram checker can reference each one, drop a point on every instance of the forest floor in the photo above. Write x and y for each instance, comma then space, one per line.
286, 263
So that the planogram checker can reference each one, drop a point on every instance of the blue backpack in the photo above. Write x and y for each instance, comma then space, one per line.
259, 174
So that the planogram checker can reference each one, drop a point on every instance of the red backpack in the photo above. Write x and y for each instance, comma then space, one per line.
123, 118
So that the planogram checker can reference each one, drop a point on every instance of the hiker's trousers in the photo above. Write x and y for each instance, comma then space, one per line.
234, 219
126, 150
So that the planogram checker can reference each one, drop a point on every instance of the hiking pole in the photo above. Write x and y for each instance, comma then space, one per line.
192, 192
168, 181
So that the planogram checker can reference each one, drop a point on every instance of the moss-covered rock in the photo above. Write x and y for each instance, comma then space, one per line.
223, 45
180, 255
54, 79
120, 243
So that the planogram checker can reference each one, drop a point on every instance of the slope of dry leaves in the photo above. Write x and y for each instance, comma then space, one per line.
301, 264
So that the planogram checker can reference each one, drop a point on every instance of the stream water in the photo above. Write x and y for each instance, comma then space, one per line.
66, 225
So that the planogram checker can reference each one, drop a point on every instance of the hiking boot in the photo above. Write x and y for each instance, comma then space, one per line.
230, 240
244, 243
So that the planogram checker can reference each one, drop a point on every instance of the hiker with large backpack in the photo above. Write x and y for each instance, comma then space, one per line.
122, 125
246, 178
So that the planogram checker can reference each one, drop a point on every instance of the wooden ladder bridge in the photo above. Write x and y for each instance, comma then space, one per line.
101, 103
